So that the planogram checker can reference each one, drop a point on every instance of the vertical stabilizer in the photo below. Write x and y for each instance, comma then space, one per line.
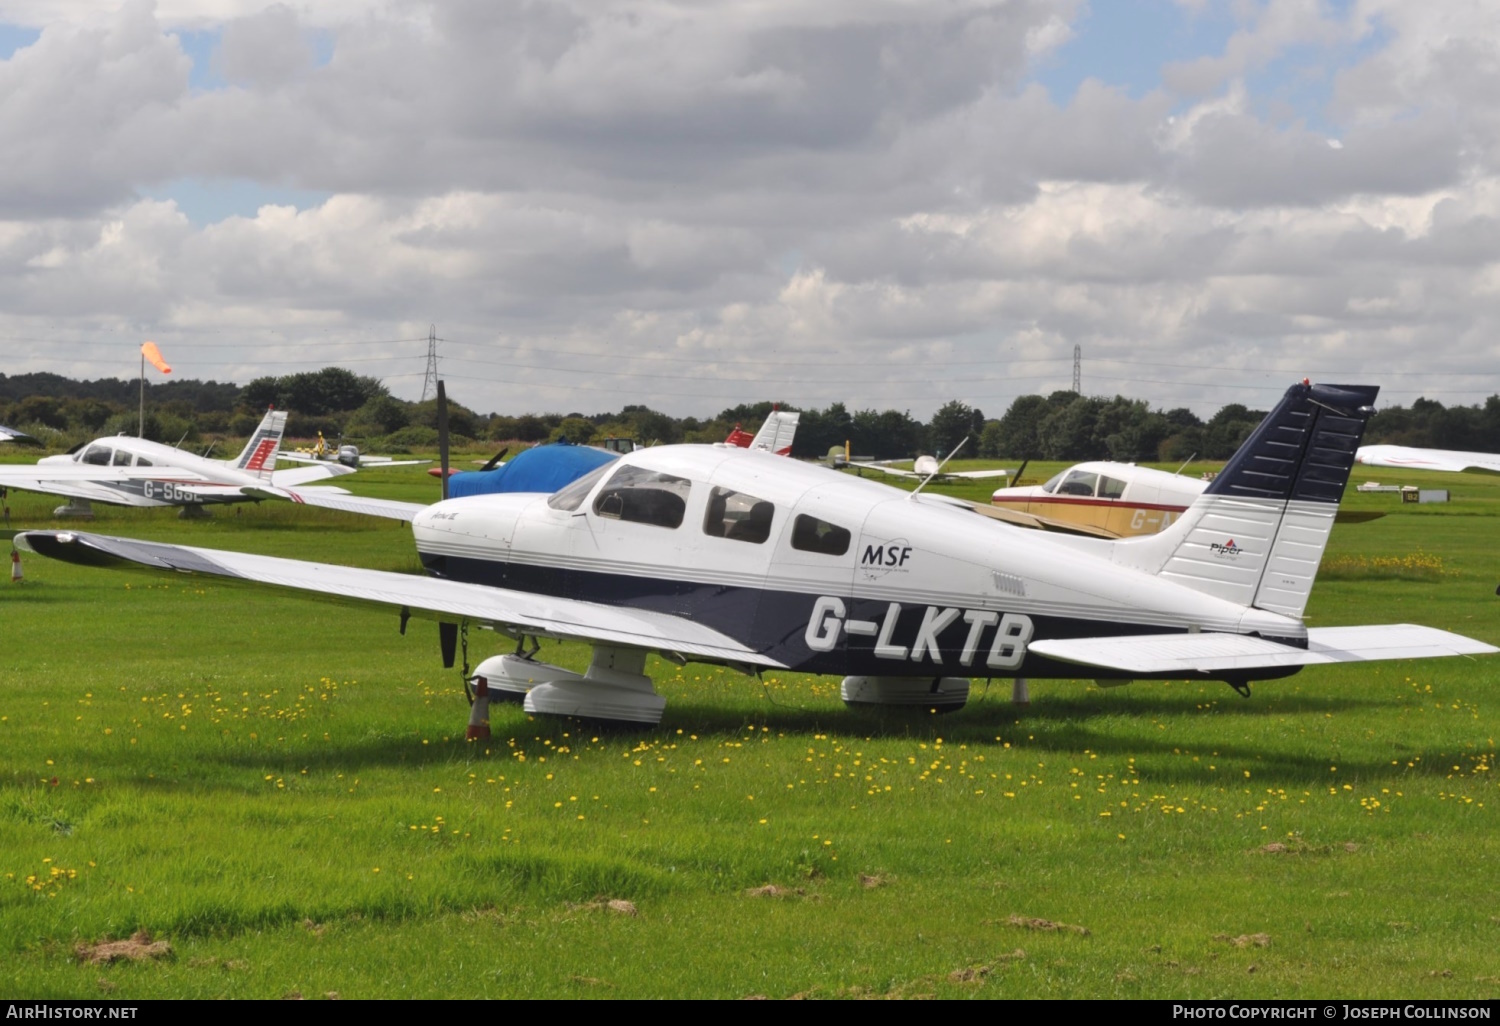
1258, 532
777, 433
259, 455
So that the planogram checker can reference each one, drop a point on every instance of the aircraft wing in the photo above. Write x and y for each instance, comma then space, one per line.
387, 461
1156, 654
10, 434
1019, 519
893, 471
299, 457
119, 486
302, 475
975, 475
337, 498
1405, 457
426, 597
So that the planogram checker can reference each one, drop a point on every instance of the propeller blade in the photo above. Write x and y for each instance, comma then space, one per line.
442, 419
495, 459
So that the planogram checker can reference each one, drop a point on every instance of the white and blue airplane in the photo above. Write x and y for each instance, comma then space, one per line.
1407, 457
10, 434
125, 471
722, 555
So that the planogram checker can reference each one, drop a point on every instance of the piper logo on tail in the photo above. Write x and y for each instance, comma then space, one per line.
1229, 550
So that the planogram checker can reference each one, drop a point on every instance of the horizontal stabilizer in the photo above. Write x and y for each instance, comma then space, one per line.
1216, 653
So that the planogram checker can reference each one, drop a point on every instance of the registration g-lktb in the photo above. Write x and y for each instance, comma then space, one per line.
716, 554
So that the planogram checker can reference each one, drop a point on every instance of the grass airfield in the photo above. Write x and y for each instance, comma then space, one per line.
281, 790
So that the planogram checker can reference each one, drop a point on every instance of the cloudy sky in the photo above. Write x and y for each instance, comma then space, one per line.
692, 204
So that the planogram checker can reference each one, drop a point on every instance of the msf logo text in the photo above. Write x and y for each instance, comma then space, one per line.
888, 556
1001, 639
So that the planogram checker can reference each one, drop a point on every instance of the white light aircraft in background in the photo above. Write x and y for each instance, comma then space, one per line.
9, 434
124, 471
1405, 457
345, 453
924, 467
720, 555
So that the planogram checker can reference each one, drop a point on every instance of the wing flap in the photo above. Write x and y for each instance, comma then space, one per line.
1157, 654
427, 597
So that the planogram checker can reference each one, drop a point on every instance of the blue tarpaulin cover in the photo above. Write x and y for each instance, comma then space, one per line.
546, 468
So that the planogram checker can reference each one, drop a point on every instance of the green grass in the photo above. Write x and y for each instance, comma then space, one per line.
232, 767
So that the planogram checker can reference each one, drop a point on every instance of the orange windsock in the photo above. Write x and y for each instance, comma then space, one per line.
153, 357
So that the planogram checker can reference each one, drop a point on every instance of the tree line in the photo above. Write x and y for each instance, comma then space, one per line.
340, 403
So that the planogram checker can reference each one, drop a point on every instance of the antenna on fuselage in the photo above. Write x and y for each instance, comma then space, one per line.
1186, 462
939, 469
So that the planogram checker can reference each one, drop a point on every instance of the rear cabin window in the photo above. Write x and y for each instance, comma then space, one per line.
737, 516
141, 461
642, 496
809, 534
1110, 488
98, 455
1079, 482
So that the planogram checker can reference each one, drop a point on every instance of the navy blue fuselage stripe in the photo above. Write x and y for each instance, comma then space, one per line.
775, 623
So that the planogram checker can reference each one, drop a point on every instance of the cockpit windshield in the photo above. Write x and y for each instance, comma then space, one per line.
1078, 482
569, 497
1053, 482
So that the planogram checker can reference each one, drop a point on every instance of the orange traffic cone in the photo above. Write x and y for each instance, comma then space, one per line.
479, 715
15, 567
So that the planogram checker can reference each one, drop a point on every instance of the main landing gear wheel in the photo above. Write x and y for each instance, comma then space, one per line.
939, 694
613, 689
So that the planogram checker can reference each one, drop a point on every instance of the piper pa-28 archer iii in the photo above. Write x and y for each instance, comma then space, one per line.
721, 555
124, 471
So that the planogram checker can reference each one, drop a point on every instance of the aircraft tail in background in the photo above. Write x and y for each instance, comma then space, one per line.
259, 455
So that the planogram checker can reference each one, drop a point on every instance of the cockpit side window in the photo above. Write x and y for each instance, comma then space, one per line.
569, 497
1078, 482
642, 496
122, 458
1110, 488
809, 534
737, 516
1053, 482
98, 455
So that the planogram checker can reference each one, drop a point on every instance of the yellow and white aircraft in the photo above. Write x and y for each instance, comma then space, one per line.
1106, 499
730, 556
124, 471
